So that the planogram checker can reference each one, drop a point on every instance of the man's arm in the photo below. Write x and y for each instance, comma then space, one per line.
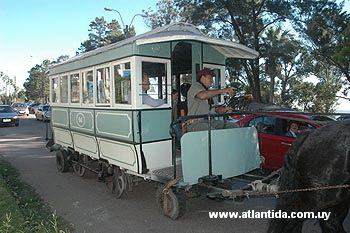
206, 94
146, 99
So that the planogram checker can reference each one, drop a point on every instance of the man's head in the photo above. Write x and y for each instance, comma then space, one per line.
294, 127
205, 77
145, 82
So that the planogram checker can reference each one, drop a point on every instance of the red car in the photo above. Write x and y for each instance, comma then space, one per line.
274, 141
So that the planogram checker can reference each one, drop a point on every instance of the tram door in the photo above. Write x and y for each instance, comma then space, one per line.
181, 77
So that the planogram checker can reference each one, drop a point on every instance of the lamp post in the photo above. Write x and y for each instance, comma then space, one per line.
125, 27
109, 9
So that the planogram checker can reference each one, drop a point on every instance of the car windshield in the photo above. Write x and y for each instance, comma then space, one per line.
46, 108
5, 109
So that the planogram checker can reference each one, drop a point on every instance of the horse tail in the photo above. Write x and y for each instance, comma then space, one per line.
288, 182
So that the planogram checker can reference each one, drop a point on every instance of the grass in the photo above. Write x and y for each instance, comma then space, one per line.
21, 209
11, 218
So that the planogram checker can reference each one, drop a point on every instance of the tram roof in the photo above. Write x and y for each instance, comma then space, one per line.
176, 32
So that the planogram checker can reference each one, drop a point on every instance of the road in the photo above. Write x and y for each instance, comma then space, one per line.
91, 208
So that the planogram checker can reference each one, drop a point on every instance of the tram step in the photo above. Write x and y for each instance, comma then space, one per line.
168, 172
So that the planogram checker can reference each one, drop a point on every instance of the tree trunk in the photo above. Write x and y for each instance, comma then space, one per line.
254, 79
283, 91
272, 89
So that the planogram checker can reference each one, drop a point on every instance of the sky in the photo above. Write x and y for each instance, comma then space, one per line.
34, 30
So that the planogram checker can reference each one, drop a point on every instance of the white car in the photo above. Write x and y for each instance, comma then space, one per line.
21, 108
43, 112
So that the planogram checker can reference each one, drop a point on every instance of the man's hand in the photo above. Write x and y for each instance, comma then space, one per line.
229, 109
222, 109
228, 90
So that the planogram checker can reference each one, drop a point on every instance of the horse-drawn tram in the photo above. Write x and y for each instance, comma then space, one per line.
107, 119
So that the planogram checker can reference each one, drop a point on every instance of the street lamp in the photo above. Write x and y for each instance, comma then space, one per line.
109, 9
125, 27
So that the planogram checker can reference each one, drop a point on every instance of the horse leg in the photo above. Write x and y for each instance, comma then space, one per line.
335, 222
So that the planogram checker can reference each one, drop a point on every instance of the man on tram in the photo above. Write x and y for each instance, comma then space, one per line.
147, 99
200, 102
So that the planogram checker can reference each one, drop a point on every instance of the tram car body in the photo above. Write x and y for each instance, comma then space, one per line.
98, 113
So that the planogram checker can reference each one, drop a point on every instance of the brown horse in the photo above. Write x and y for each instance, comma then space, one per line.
317, 158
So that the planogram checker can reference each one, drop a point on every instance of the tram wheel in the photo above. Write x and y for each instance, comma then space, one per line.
118, 182
61, 161
130, 183
78, 169
172, 204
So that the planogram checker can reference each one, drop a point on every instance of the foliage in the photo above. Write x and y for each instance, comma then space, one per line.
322, 96
8, 97
325, 29
11, 219
241, 21
25, 211
285, 57
37, 84
103, 33
167, 13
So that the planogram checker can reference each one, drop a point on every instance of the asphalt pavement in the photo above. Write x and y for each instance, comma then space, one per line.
90, 208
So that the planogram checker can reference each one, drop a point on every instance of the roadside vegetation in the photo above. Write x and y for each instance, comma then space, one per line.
21, 208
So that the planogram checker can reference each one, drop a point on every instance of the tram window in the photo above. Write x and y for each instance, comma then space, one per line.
157, 78
74, 82
64, 89
54, 89
103, 85
88, 86
264, 124
122, 83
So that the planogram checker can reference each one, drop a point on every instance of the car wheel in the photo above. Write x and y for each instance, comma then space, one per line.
17, 124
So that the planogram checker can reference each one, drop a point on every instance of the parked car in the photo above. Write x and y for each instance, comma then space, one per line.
8, 115
272, 133
33, 107
21, 108
43, 113
343, 118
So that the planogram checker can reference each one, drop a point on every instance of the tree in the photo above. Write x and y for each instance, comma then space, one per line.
242, 21
321, 23
167, 13
103, 33
37, 85
8, 96
285, 63
325, 28
22, 95
320, 97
